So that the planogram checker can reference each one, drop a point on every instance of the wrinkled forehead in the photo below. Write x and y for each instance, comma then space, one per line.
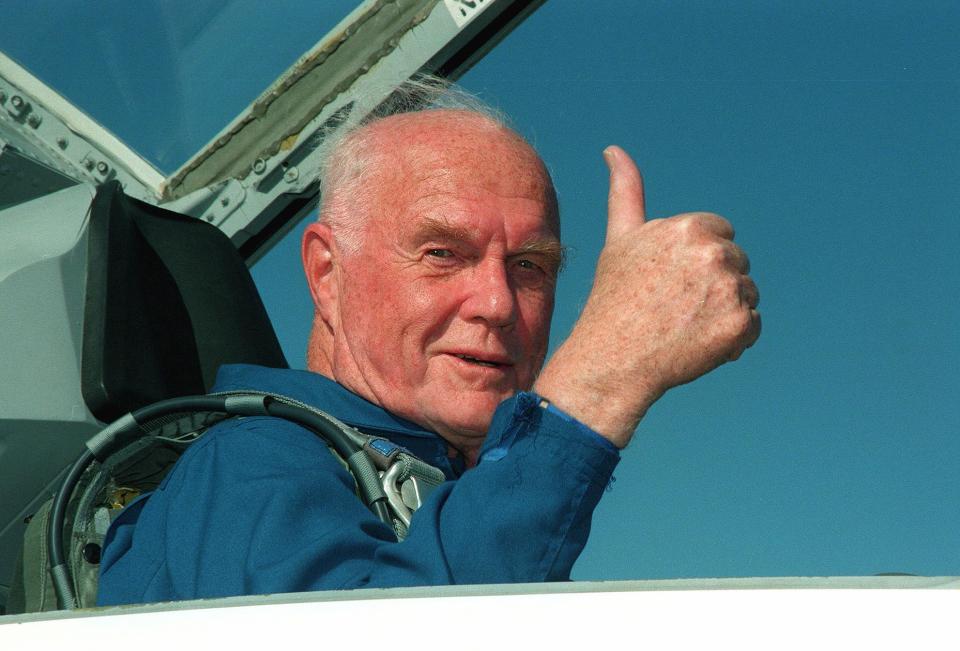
446, 151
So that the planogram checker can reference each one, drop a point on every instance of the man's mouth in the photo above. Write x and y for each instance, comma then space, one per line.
480, 362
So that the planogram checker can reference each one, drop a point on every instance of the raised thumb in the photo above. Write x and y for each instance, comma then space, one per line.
625, 203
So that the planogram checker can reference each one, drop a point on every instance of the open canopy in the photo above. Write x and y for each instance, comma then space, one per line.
257, 171
85, 166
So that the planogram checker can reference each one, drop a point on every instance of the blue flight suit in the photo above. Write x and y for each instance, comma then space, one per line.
259, 505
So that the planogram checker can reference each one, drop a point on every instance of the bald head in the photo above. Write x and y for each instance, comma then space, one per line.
393, 151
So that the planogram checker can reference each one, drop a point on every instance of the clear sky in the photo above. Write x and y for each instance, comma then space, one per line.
827, 132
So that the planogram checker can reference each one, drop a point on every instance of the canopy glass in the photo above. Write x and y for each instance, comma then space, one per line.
152, 71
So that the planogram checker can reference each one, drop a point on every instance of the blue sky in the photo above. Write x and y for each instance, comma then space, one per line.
827, 132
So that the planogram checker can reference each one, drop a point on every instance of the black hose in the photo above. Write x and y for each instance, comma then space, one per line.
61, 580
360, 464
107, 439
315, 423
184, 404
59, 569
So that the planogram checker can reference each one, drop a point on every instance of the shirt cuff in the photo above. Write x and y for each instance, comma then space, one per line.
584, 429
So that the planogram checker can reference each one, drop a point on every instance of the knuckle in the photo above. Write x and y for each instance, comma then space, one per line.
713, 254
714, 223
740, 323
701, 219
703, 224
677, 222
687, 230
708, 218
726, 288
753, 293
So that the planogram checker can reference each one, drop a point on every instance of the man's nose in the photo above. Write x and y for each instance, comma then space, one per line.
491, 298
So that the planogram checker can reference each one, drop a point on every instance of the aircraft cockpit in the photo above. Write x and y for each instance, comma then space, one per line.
108, 113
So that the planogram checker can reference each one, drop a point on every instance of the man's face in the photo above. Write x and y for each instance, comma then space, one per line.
445, 310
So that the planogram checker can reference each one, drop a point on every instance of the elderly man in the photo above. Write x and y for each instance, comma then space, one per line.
433, 268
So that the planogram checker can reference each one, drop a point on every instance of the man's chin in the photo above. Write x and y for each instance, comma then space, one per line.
466, 417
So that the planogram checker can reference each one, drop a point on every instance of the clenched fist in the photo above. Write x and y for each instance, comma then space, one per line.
671, 300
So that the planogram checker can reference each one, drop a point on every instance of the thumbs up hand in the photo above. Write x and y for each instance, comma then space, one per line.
671, 301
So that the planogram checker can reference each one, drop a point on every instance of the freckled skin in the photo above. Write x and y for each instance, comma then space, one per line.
456, 261
441, 270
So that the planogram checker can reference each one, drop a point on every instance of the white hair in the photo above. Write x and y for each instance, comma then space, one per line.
353, 158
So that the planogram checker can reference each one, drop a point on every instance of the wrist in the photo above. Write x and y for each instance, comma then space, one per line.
602, 413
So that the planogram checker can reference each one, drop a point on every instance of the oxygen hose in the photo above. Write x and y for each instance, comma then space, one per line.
59, 572
142, 422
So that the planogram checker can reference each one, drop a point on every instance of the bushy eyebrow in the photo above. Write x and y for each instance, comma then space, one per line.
440, 229
552, 252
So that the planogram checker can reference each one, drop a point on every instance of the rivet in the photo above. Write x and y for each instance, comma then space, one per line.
291, 175
62, 142
33, 120
16, 101
259, 166
224, 201
88, 164
102, 167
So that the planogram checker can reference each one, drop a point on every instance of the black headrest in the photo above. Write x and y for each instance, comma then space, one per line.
169, 299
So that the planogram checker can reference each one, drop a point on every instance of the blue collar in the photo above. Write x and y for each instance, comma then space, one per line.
323, 393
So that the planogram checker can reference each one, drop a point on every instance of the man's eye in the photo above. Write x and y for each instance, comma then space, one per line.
527, 265
440, 253
527, 273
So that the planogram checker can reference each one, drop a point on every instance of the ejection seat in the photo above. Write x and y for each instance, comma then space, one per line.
168, 300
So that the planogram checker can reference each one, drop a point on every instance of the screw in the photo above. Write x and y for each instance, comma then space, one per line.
224, 201
210, 218
102, 167
33, 120
259, 166
291, 175
17, 102
62, 142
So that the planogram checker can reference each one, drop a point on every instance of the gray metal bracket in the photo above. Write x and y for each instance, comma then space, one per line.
260, 175
42, 125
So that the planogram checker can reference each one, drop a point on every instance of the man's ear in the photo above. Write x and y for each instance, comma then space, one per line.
320, 259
